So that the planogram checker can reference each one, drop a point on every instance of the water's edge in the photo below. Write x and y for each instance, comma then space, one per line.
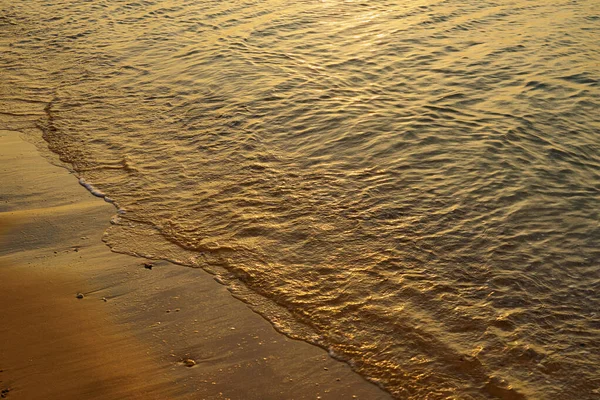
283, 322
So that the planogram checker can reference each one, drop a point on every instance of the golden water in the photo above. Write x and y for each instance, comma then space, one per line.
413, 185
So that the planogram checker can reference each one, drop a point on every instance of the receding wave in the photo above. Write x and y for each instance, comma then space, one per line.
413, 185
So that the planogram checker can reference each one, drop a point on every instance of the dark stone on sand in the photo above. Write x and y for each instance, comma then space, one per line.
148, 265
188, 362
79, 295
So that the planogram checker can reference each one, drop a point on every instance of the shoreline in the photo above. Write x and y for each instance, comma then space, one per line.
132, 332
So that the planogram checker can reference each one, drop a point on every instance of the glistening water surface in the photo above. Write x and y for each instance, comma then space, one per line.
413, 185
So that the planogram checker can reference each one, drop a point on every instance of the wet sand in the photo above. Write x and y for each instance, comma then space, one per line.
130, 334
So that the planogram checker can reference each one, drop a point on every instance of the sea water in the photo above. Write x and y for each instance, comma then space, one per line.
412, 185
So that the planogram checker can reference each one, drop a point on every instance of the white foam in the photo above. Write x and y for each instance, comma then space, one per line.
100, 194
91, 189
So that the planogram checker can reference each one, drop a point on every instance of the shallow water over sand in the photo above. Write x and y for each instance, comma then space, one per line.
414, 185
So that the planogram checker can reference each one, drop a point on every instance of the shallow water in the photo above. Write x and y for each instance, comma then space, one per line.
413, 185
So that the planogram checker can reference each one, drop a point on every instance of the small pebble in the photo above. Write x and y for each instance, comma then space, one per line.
80, 295
188, 362
148, 265
104, 299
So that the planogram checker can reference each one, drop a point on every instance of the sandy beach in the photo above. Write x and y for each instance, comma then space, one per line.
223, 199
136, 327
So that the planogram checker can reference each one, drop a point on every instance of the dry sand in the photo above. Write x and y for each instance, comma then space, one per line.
129, 335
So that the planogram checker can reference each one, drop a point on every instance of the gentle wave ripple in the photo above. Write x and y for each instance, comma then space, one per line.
414, 185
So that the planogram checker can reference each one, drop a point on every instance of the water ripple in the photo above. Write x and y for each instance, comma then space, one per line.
411, 185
